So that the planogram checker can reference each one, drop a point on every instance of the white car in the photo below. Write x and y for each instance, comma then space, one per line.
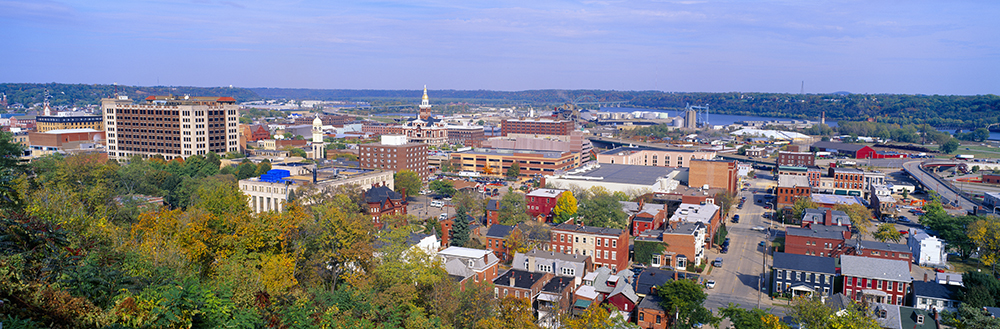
758, 228
710, 284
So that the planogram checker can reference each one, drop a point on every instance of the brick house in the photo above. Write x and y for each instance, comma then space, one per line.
797, 159
705, 212
570, 265
847, 181
383, 201
496, 240
555, 299
825, 217
520, 284
649, 313
542, 201
823, 241
791, 188
607, 246
483, 263
875, 279
492, 212
685, 244
644, 216
884, 250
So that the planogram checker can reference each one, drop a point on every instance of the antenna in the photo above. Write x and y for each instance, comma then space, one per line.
803, 90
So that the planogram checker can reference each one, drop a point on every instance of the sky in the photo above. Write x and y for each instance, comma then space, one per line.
907, 47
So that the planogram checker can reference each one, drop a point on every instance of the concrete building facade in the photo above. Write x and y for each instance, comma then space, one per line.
171, 126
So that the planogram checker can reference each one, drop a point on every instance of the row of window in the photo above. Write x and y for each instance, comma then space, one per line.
805, 276
867, 284
601, 242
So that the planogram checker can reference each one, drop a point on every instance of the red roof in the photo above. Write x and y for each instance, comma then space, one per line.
151, 98
225, 99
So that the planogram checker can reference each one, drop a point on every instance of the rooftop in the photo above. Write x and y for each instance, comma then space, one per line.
556, 255
558, 283
935, 290
883, 246
499, 231
793, 180
464, 252
546, 192
835, 199
623, 174
484, 151
651, 301
633, 149
805, 263
521, 279
702, 213
822, 232
875, 268
819, 215
588, 229
71, 131
838, 146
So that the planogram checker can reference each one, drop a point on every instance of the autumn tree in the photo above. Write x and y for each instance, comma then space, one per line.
985, 233
861, 217
810, 312
511, 313
565, 207
597, 316
408, 181
887, 232
725, 200
800, 206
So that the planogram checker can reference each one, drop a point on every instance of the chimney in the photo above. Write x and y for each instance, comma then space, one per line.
925, 277
675, 275
828, 220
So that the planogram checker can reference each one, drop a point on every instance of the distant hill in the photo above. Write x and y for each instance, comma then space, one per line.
81, 94
936, 110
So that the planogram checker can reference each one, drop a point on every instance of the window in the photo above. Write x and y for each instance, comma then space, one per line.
899, 286
808, 277
798, 276
605, 254
879, 282
868, 283
656, 260
641, 318
577, 239
657, 318
614, 255
899, 300
614, 243
920, 319
599, 241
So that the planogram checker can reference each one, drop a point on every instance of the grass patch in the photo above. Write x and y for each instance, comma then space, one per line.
957, 265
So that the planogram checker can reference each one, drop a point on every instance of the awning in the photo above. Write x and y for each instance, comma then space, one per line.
802, 287
874, 292
582, 303
549, 297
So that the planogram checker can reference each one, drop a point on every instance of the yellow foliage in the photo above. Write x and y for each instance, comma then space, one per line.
985, 233
277, 273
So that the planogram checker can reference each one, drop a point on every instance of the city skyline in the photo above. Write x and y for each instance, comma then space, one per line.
682, 46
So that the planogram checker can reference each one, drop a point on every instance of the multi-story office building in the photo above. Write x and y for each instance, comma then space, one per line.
395, 153
497, 161
69, 120
647, 156
171, 126
536, 127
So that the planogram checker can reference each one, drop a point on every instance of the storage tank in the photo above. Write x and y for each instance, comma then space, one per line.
678, 122
664, 115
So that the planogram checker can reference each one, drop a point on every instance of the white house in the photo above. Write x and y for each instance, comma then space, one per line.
927, 250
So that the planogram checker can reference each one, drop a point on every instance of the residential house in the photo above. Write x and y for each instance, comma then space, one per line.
927, 250
823, 241
651, 278
482, 262
607, 246
882, 201
825, 217
541, 202
614, 288
875, 249
930, 295
875, 279
555, 299
685, 244
496, 240
570, 265
801, 275
886, 315
915, 318
949, 278
492, 212
644, 216
623, 297
649, 313
520, 284
705, 212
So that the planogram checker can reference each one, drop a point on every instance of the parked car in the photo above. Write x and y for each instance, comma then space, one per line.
443, 216
724, 250
710, 284
717, 262
758, 228
904, 220
437, 204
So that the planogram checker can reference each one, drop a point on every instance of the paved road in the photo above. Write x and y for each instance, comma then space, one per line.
738, 279
913, 167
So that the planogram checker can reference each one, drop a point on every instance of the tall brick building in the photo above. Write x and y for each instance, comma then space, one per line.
172, 126
714, 173
396, 154
536, 127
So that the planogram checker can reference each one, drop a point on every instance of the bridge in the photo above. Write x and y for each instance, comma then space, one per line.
610, 143
948, 192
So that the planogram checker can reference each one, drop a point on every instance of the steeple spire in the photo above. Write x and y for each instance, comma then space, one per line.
425, 103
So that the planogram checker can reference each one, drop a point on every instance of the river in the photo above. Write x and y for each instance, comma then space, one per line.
713, 119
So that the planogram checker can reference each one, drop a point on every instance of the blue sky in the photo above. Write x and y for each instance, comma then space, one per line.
910, 47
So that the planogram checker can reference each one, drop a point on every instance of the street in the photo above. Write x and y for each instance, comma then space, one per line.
738, 279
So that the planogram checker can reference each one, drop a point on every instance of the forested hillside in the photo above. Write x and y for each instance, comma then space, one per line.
935, 110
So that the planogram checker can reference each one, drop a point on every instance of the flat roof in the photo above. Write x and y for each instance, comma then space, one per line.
623, 174
835, 199
648, 148
793, 180
483, 151
464, 252
71, 131
546, 192
818, 231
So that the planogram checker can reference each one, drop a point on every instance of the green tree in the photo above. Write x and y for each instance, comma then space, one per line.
861, 217
644, 251
906, 194
408, 181
887, 232
460, 231
565, 207
800, 206
853, 318
603, 210
976, 318
950, 146
980, 134
513, 208
684, 298
979, 289
810, 312
263, 167
443, 187
245, 170
514, 171
751, 319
